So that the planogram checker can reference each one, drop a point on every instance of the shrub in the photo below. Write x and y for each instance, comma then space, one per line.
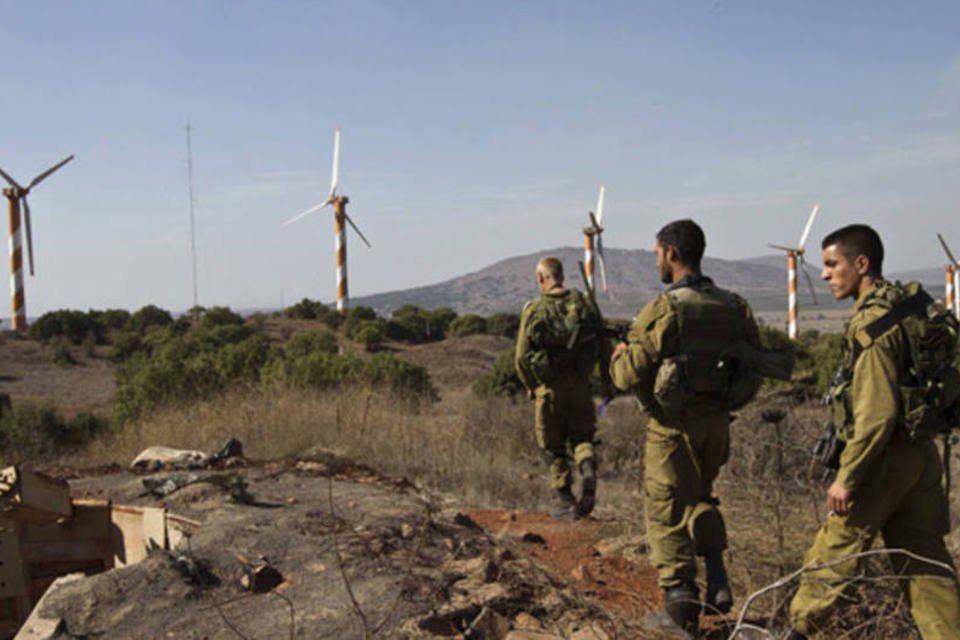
69, 324
369, 334
502, 381
438, 321
218, 316
311, 342
308, 309
468, 325
409, 380
503, 324
410, 323
148, 316
60, 352
34, 430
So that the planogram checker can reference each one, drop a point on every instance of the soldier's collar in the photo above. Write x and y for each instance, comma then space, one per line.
869, 294
690, 280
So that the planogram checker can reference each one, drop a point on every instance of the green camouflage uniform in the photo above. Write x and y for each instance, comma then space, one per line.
895, 487
564, 411
684, 450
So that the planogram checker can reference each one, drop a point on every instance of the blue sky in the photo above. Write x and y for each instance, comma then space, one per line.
472, 131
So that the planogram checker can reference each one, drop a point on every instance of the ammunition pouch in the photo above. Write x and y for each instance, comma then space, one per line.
670, 388
931, 409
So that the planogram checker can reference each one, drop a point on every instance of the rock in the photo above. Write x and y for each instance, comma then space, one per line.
489, 625
406, 531
590, 632
464, 520
524, 620
159, 456
529, 634
38, 627
582, 573
533, 537
480, 594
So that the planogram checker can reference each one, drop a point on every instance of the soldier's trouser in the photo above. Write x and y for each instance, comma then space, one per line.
903, 500
680, 464
565, 415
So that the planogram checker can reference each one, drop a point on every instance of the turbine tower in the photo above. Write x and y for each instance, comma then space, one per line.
593, 237
952, 279
340, 219
792, 255
16, 199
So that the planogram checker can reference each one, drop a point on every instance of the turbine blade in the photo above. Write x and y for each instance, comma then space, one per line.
949, 253
600, 204
806, 273
26, 224
43, 176
806, 229
357, 229
781, 247
335, 177
594, 221
306, 213
10, 181
600, 263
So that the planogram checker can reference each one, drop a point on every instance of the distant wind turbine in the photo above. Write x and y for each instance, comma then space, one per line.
792, 255
593, 237
340, 217
16, 196
952, 279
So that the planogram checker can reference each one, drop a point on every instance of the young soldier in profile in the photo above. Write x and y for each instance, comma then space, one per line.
676, 361
558, 345
888, 480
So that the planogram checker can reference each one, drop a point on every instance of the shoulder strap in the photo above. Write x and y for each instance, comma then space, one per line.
912, 305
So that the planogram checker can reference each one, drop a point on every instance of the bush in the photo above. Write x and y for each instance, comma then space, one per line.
369, 334
60, 352
146, 317
503, 324
412, 324
468, 325
309, 342
404, 378
502, 381
438, 322
219, 316
308, 309
36, 430
73, 326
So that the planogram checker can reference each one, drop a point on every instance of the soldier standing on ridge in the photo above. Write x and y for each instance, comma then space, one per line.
888, 479
557, 348
674, 359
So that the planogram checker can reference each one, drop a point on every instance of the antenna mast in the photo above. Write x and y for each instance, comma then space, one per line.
193, 238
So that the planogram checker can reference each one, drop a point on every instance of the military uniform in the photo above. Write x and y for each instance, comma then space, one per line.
895, 489
692, 323
559, 380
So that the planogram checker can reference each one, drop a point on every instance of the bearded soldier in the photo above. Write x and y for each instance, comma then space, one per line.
888, 480
677, 360
558, 345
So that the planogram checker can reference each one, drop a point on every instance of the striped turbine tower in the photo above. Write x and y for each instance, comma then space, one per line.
795, 255
950, 273
593, 244
951, 279
340, 220
16, 196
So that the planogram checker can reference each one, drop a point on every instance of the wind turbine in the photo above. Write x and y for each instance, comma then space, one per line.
792, 255
952, 279
593, 236
17, 195
340, 216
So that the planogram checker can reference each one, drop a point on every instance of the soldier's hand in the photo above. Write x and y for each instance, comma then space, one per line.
838, 499
620, 348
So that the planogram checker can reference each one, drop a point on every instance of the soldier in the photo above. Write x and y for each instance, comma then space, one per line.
557, 348
888, 480
674, 359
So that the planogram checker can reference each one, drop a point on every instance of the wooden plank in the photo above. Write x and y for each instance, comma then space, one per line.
31, 496
91, 521
126, 536
12, 580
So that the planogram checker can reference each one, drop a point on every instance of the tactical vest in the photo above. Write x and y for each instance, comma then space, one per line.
930, 390
702, 374
564, 334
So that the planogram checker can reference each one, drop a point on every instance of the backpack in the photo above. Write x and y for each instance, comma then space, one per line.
565, 335
930, 394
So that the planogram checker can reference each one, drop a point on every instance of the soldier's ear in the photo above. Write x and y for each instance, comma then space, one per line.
862, 264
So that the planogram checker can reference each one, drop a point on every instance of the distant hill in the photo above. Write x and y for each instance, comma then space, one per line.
631, 274
632, 277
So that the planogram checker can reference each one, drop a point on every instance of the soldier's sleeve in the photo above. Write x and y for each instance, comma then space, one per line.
875, 400
653, 334
753, 331
523, 347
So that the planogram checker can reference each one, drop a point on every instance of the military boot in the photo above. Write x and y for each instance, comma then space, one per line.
588, 487
719, 597
564, 505
681, 612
